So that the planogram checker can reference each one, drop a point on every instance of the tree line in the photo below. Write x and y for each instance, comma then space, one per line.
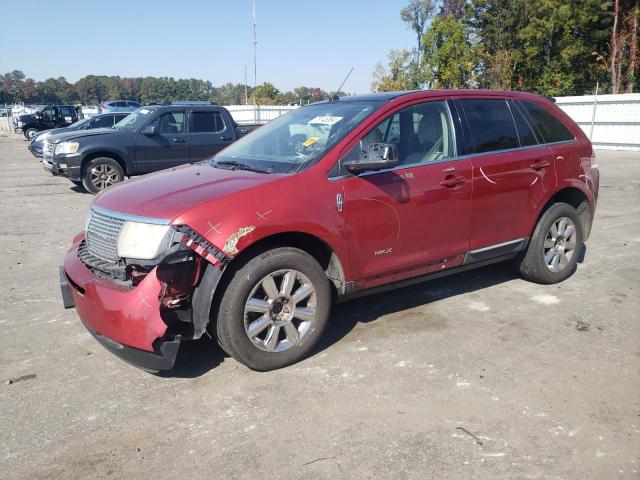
550, 47
93, 89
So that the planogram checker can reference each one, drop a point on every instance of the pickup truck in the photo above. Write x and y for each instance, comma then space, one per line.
46, 118
150, 139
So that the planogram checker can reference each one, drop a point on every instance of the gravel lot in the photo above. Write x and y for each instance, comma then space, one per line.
480, 375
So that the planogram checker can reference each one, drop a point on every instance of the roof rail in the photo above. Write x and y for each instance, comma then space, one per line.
192, 102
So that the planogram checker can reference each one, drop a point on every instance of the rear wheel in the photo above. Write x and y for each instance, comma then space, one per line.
100, 173
274, 309
554, 247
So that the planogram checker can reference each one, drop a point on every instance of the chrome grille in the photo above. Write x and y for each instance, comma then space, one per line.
102, 235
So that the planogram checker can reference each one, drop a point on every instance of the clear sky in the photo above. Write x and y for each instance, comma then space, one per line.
300, 42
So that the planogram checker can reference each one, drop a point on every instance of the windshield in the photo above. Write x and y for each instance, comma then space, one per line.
79, 122
297, 139
134, 119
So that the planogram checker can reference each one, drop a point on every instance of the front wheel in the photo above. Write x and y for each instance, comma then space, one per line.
29, 133
101, 173
274, 309
554, 247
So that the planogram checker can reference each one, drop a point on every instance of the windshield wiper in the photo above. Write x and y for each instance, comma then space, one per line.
235, 165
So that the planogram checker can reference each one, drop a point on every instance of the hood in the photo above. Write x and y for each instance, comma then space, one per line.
169, 193
28, 117
73, 134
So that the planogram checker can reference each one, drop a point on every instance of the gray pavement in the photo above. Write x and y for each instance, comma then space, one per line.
480, 375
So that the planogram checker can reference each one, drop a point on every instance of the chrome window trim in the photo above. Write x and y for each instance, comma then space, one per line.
453, 159
496, 245
128, 217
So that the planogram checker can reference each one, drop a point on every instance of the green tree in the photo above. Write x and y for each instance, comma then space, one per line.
416, 15
450, 57
266, 94
397, 76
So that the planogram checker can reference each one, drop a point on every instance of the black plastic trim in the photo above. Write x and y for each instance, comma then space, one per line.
67, 299
162, 358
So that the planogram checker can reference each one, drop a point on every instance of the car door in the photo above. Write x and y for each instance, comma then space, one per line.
49, 118
513, 172
208, 134
167, 145
412, 219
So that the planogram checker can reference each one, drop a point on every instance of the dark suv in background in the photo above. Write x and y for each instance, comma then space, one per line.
149, 139
107, 120
46, 118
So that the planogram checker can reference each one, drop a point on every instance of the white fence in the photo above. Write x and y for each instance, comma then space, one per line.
612, 122
262, 114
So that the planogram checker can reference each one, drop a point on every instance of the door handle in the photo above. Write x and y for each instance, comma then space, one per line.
451, 182
179, 140
225, 139
540, 164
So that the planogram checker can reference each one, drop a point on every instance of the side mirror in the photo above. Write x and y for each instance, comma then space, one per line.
149, 130
372, 156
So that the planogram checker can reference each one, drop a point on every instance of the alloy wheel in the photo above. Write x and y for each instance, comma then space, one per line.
559, 244
103, 175
280, 310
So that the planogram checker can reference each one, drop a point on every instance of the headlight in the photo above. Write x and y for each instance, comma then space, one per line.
66, 147
19, 123
143, 241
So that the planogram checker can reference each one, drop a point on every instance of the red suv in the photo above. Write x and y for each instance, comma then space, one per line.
339, 198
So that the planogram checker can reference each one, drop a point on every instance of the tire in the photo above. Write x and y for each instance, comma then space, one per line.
100, 173
553, 251
270, 318
30, 132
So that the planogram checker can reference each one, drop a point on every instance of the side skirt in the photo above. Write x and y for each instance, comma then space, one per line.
473, 259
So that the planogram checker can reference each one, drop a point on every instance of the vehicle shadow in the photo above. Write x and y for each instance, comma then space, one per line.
78, 189
369, 309
197, 358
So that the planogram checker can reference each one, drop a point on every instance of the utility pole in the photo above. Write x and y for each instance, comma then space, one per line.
246, 94
255, 62
255, 48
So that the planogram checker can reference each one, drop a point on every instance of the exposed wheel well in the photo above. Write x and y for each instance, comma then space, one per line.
578, 200
315, 247
111, 155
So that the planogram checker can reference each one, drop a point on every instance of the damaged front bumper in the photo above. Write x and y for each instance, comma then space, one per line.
126, 321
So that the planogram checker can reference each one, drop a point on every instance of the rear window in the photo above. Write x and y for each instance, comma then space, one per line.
525, 130
206, 122
551, 129
491, 124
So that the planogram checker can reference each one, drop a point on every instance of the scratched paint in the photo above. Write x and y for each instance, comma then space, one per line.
230, 247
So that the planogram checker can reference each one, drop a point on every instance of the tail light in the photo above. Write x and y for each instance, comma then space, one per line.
104, 105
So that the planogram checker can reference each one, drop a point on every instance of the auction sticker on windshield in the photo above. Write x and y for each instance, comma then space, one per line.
325, 120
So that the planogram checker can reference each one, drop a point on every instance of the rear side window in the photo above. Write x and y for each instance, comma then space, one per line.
119, 104
105, 121
206, 122
133, 104
491, 124
525, 130
67, 111
551, 129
